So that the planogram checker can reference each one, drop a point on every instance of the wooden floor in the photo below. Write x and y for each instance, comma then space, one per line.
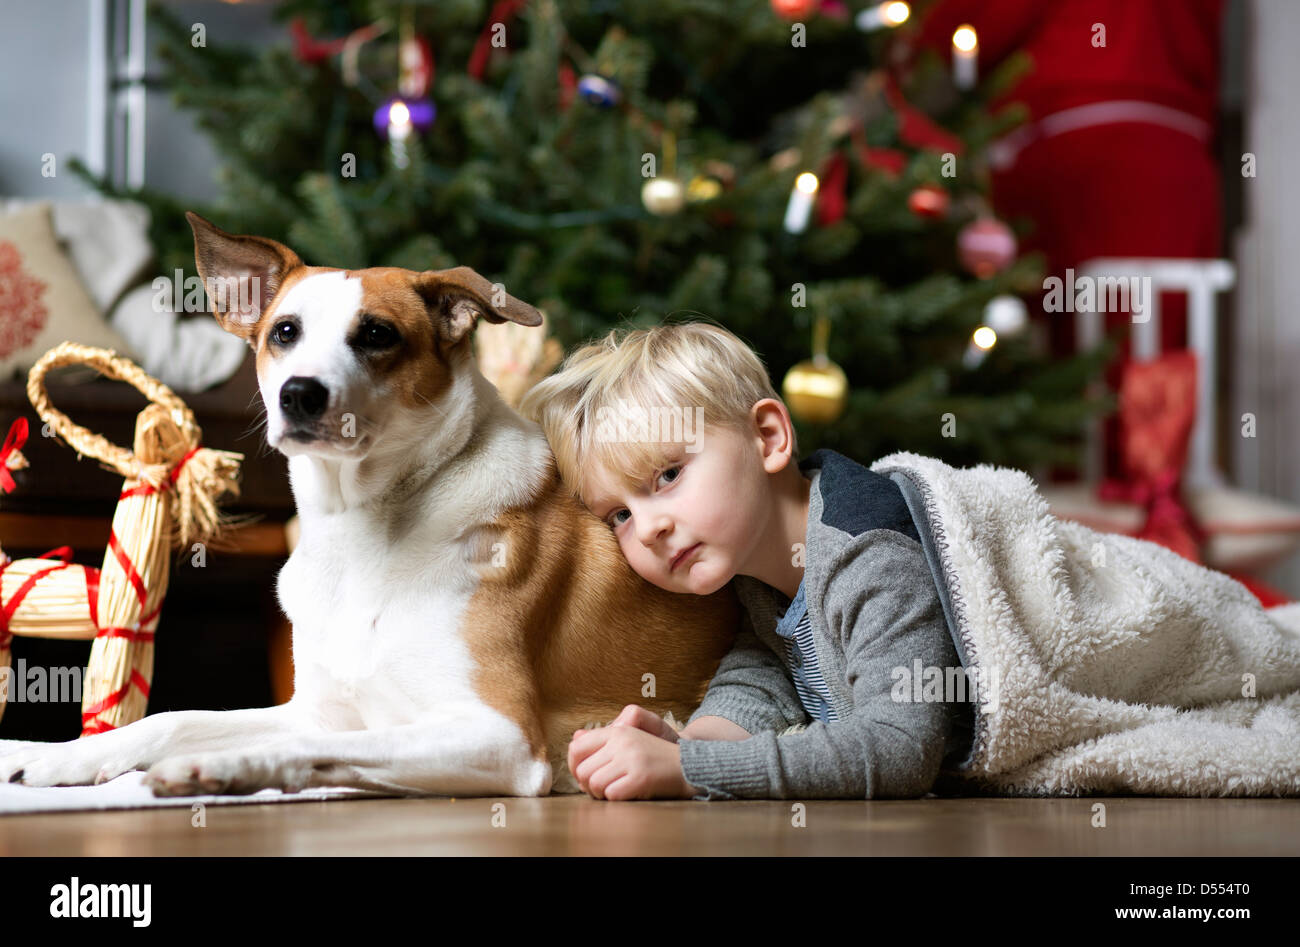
580, 825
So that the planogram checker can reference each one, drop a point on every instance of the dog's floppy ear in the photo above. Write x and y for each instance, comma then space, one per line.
458, 295
241, 274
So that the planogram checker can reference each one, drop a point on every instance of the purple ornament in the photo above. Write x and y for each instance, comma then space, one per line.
599, 91
399, 116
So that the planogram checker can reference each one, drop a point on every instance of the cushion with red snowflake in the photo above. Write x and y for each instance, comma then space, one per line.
42, 299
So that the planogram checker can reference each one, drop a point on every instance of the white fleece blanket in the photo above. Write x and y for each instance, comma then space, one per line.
1112, 665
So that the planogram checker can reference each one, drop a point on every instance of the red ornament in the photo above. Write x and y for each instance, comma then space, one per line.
794, 9
986, 246
928, 200
415, 69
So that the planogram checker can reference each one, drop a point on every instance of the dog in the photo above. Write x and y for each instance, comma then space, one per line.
456, 612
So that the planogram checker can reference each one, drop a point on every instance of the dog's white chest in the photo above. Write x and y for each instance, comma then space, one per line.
379, 629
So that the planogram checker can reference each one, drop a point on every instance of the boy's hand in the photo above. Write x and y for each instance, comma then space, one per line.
634, 715
624, 762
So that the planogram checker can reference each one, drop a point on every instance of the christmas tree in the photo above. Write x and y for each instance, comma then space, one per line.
626, 162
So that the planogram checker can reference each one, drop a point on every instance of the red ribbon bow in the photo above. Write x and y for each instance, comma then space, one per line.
14, 442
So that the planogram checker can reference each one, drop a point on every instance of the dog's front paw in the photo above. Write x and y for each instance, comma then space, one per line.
205, 774
217, 774
59, 764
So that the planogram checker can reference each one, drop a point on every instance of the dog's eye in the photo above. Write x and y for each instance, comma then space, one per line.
284, 333
377, 335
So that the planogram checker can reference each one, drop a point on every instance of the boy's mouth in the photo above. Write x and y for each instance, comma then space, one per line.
681, 556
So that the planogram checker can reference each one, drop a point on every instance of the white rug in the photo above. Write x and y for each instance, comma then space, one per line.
128, 791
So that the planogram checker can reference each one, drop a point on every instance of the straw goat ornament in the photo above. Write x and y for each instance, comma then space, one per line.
168, 500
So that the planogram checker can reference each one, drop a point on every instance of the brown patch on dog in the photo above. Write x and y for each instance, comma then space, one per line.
419, 371
561, 629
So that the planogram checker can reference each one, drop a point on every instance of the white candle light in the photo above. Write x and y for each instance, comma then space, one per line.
801, 202
399, 120
981, 341
965, 57
890, 13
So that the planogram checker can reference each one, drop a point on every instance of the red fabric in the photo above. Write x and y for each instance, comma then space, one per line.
1124, 189
1267, 595
1157, 411
1164, 51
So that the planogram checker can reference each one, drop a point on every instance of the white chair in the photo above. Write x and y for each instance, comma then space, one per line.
1201, 280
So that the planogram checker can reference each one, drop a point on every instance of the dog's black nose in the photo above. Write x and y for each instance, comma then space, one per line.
303, 399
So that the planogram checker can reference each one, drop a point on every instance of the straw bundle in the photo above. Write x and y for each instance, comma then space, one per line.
43, 598
52, 598
515, 357
168, 499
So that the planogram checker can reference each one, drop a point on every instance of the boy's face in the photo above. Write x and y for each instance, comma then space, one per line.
713, 502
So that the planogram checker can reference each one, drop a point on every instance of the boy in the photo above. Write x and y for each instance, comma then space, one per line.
675, 437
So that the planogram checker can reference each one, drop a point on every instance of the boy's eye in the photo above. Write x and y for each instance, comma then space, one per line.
675, 471
668, 475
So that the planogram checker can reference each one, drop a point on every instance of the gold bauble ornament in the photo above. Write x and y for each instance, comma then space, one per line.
816, 390
663, 195
703, 188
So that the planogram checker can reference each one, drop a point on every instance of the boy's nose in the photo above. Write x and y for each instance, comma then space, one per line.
654, 527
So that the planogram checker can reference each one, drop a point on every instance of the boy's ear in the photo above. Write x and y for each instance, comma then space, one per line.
241, 274
458, 295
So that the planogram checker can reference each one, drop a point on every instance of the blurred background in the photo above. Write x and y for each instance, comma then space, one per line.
1054, 236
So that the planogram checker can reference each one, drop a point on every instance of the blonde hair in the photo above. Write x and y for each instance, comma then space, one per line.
689, 365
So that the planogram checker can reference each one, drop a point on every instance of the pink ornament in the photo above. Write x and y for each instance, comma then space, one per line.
986, 246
